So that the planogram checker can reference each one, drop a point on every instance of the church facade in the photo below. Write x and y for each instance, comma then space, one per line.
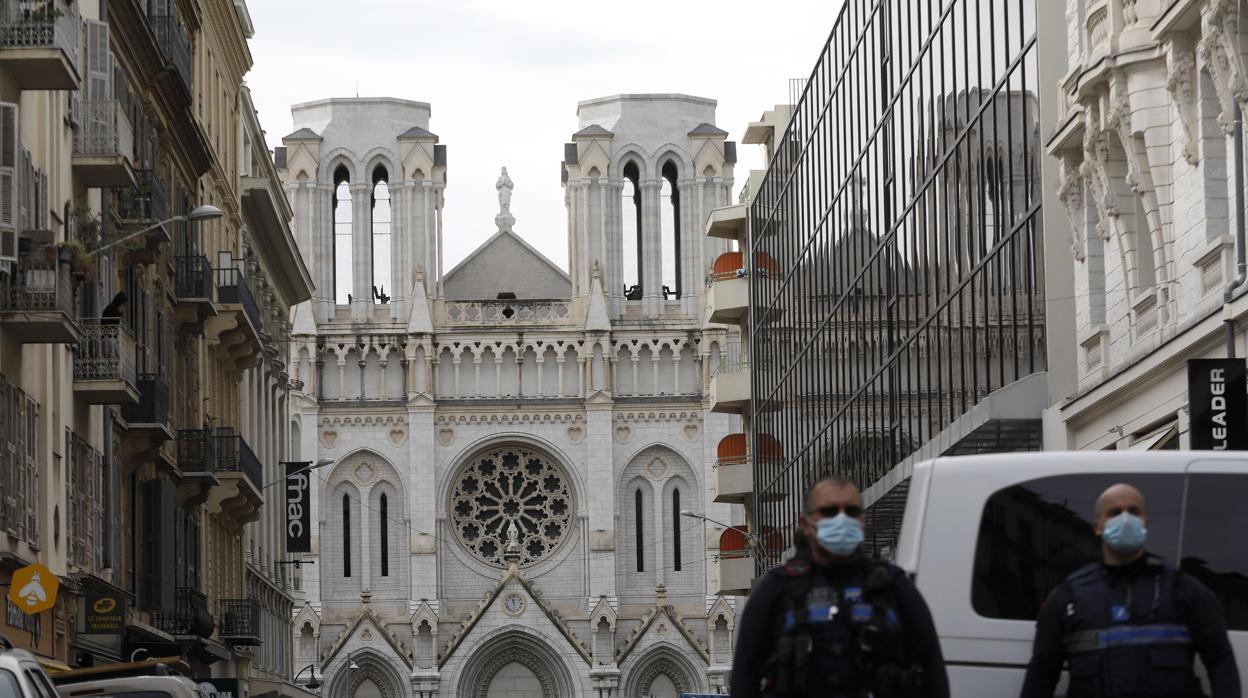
520, 496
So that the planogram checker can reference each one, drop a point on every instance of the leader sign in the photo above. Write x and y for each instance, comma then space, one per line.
1217, 394
298, 508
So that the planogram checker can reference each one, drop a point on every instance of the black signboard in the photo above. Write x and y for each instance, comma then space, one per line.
105, 614
1217, 394
298, 507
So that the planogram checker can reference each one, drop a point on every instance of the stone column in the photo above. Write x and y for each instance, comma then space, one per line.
361, 251
652, 272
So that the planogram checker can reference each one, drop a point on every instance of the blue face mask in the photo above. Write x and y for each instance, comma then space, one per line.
1125, 533
840, 535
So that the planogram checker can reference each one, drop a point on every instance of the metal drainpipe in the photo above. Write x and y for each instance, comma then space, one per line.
1241, 254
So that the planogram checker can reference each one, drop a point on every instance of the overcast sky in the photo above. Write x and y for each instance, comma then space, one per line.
504, 77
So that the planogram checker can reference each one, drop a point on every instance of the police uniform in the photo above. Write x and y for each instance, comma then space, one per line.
1130, 631
842, 631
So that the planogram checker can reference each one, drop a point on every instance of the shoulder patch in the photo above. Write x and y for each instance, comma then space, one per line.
797, 567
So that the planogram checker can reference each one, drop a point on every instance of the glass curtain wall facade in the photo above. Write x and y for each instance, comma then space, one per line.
897, 275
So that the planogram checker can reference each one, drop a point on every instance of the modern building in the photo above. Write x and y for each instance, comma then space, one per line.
898, 300
514, 446
130, 315
1147, 156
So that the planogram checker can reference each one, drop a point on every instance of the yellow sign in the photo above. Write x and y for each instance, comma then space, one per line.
105, 605
33, 589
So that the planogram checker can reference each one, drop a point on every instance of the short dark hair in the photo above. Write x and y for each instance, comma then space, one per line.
834, 480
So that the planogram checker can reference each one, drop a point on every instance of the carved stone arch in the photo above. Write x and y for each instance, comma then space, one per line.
370, 667
667, 660
670, 152
335, 158
384, 157
521, 647
630, 152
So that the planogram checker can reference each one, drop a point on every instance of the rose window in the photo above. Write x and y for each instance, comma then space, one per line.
511, 496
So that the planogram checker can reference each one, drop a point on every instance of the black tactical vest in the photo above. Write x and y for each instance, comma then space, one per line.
836, 637
1126, 637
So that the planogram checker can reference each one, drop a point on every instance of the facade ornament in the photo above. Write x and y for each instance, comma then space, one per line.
1070, 193
1181, 84
1218, 50
1095, 157
504, 220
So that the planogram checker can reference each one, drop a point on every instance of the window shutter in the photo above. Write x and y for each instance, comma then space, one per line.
8, 181
99, 62
41, 212
158, 545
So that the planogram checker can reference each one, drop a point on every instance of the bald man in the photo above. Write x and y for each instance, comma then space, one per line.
1128, 626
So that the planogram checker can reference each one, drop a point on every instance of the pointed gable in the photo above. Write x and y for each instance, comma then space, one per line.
506, 264
364, 622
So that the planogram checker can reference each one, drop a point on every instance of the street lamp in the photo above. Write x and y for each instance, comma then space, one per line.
319, 464
312, 683
206, 212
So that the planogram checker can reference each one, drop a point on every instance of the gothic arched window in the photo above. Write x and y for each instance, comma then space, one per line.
385, 537
343, 275
669, 233
638, 515
346, 536
381, 235
630, 209
676, 529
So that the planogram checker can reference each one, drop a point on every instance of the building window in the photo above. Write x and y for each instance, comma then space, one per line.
343, 276
637, 515
1145, 262
381, 235
676, 529
630, 210
385, 538
669, 233
346, 536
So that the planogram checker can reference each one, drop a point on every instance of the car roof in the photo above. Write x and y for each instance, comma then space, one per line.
178, 685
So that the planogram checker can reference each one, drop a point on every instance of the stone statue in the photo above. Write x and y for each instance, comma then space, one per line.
504, 220
513, 532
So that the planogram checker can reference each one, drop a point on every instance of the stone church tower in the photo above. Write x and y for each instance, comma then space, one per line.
513, 445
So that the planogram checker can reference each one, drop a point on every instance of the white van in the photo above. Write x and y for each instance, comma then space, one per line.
987, 537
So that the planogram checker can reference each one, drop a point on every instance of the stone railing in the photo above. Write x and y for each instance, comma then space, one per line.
508, 312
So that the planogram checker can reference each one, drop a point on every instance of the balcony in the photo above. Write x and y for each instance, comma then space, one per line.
37, 303
730, 383
39, 43
188, 618
197, 460
104, 372
240, 622
240, 494
103, 144
238, 325
728, 223
175, 44
143, 204
193, 287
735, 566
728, 290
734, 467
147, 423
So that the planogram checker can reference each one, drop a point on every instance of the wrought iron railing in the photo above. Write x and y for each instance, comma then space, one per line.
175, 43
197, 450
240, 621
189, 616
153, 404
103, 129
193, 277
105, 352
507, 312
235, 456
39, 286
144, 203
40, 24
232, 288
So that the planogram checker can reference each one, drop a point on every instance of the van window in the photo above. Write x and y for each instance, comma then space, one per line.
9, 687
1213, 549
1033, 535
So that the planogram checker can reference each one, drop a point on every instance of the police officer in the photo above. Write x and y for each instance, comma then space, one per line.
1128, 626
831, 623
